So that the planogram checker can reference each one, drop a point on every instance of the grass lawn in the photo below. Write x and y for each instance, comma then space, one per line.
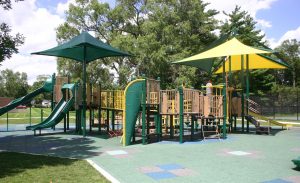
22, 116
19, 167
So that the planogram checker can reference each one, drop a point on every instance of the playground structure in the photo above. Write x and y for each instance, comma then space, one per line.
143, 110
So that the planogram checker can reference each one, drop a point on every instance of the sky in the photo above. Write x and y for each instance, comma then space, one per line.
38, 19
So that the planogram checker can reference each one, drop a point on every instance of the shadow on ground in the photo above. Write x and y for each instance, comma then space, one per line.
52, 144
13, 163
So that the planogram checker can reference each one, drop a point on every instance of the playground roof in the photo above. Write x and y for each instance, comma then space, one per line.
228, 48
83, 47
256, 61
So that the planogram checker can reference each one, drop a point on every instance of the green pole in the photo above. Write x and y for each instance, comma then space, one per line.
224, 102
30, 116
156, 126
7, 121
90, 108
181, 114
192, 127
230, 84
144, 113
52, 94
99, 110
159, 126
242, 99
113, 112
230, 74
83, 119
247, 88
171, 126
42, 115
68, 113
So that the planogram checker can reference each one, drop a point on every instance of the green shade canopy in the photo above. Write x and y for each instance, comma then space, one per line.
83, 47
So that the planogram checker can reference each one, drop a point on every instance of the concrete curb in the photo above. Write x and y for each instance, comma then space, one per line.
103, 172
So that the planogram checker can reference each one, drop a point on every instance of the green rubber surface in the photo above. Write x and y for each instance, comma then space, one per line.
240, 158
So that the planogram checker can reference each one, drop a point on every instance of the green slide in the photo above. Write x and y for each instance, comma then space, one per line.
59, 112
133, 98
57, 107
19, 101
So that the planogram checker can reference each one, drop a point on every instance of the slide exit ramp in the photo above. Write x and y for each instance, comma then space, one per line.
59, 112
271, 121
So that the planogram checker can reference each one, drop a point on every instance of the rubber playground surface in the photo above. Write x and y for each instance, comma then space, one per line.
239, 158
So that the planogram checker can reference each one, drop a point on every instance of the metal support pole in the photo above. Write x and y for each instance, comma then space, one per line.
297, 104
230, 84
160, 127
7, 121
192, 127
65, 124
181, 129
99, 110
90, 124
42, 118
107, 120
171, 126
235, 123
113, 112
68, 113
247, 89
144, 113
68, 120
156, 126
242, 99
30, 116
83, 119
148, 120
224, 102
230, 73
52, 93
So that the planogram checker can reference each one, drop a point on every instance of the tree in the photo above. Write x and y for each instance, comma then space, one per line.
13, 84
289, 51
6, 4
155, 32
244, 26
8, 43
86, 15
40, 81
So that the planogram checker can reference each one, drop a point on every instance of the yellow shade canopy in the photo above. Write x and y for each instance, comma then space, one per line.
229, 48
256, 61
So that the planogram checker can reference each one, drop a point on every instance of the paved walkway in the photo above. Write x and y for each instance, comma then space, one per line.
240, 158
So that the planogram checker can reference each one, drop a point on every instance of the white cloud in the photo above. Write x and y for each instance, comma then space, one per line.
291, 34
38, 26
251, 6
263, 23
63, 7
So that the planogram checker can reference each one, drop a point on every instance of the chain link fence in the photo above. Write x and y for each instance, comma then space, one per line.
279, 106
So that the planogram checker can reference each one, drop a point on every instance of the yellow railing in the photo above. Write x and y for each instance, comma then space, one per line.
112, 99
